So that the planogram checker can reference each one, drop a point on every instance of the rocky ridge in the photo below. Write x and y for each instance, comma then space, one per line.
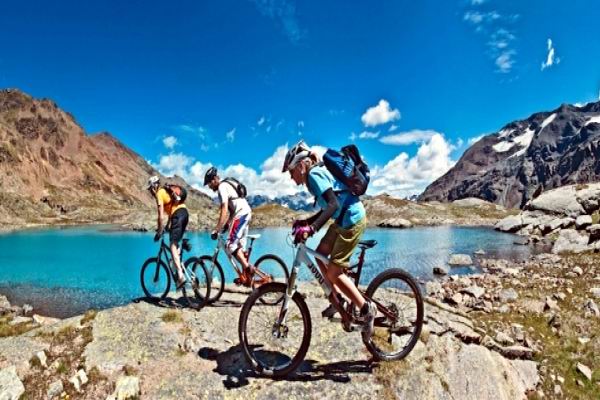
545, 151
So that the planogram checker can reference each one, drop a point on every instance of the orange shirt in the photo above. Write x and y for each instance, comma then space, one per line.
162, 197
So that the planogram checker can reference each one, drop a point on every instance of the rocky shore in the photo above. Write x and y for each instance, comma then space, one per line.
517, 330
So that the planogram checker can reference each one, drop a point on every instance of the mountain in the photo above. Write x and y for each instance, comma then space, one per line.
510, 167
51, 170
301, 201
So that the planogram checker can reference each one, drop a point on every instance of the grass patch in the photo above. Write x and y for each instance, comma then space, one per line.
89, 317
560, 351
172, 316
7, 330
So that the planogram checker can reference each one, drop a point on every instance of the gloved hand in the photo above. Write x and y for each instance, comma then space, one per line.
214, 235
302, 233
157, 235
298, 223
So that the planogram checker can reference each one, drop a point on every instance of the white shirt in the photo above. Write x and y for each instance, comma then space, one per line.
237, 206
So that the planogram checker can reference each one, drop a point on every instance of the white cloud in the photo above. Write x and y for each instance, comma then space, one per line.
353, 136
477, 2
460, 142
382, 113
283, 11
404, 138
300, 124
198, 129
404, 175
368, 135
474, 140
393, 128
169, 142
505, 61
230, 136
268, 180
551, 59
261, 121
476, 17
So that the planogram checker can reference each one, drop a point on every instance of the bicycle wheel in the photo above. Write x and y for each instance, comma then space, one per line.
155, 278
217, 278
399, 315
269, 268
274, 350
198, 282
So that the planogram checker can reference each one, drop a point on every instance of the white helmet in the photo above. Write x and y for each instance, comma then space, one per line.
298, 152
153, 180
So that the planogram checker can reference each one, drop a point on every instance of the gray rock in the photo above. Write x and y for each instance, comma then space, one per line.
475, 291
583, 221
591, 308
128, 387
83, 378
560, 201
471, 202
589, 198
41, 356
74, 380
594, 231
578, 271
504, 339
508, 295
400, 223
433, 288
11, 387
533, 306
20, 320
517, 352
585, 370
4, 303
551, 304
55, 389
512, 223
27, 310
570, 240
480, 252
440, 270
595, 292
460, 259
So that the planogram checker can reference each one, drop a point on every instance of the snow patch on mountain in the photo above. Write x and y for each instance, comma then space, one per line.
593, 120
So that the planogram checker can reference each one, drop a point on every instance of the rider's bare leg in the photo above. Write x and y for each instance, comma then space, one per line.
176, 254
325, 249
336, 275
241, 257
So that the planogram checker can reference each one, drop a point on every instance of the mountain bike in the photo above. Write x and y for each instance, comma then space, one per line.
157, 272
275, 337
268, 268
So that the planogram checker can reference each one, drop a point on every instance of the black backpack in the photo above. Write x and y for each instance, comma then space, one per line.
177, 193
238, 186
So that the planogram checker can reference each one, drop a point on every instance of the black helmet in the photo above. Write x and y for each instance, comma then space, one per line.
210, 174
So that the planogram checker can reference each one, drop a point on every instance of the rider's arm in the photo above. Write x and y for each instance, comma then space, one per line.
327, 212
161, 215
222, 217
310, 220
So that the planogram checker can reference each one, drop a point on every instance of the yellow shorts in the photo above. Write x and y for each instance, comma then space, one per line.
342, 242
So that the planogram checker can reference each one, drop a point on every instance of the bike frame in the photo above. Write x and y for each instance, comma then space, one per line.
166, 251
303, 254
222, 245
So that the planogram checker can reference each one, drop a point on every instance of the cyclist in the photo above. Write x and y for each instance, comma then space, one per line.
342, 236
178, 217
239, 212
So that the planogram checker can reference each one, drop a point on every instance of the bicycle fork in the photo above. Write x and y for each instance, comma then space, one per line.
279, 329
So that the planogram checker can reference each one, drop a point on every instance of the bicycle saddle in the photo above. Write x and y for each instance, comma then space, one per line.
367, 244
255, 236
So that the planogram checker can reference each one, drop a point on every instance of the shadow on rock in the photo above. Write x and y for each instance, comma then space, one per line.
233, 365
167, 302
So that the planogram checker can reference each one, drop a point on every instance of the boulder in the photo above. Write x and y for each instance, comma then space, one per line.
508, 295
572, 241
559, 201
512, 223
595, 292
583, 221
400, 223
460, 259
471, 202
589, 197
585, 370
11, 387
4, 303
128, 387
591, 308
594, 231
440, 270
475, 291
54, 390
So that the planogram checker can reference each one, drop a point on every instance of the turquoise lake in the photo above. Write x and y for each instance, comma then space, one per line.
63, 272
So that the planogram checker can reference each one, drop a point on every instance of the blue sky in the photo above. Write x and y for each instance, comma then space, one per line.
193, 83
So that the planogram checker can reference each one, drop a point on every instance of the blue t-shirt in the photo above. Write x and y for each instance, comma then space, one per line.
320, 180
